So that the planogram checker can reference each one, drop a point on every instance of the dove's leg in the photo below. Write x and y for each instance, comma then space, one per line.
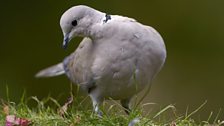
96, 104
126, 104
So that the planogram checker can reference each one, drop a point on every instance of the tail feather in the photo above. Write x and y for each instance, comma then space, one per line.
52, 71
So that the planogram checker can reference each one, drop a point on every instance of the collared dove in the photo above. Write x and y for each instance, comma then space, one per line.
117, 58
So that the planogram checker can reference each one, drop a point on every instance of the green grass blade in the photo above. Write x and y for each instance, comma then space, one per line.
196, 110
164, 110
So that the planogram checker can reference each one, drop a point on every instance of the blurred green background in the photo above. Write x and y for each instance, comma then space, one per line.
193, 30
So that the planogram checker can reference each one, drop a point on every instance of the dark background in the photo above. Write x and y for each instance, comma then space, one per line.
31, 39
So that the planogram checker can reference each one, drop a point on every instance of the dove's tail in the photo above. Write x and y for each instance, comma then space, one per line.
52, 71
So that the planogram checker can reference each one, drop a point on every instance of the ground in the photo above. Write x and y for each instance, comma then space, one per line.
48, 112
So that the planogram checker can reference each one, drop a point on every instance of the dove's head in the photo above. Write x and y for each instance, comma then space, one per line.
77, 21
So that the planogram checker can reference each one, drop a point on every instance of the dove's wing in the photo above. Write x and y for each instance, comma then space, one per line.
52, 71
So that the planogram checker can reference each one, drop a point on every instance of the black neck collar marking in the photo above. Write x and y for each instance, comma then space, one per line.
108, 17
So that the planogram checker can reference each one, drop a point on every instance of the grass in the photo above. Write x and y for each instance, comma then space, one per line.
47, 112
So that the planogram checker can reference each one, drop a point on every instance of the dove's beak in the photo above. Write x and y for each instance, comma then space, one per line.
66, 41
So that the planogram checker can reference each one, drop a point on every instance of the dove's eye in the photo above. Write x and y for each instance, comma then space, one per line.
74, 22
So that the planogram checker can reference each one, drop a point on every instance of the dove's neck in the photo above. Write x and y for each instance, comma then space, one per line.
95, 29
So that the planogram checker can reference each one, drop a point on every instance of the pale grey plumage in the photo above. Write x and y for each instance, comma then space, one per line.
116, 59
52, 71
